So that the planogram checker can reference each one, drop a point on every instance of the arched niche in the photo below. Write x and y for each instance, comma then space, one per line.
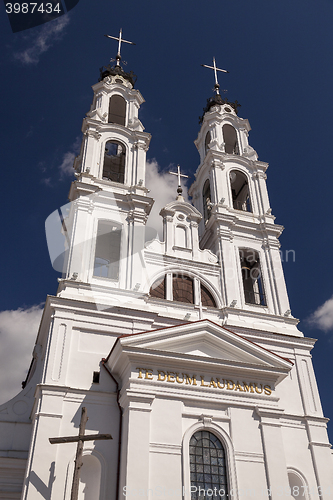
114, 161
117, 110
90, 478
230, 139
240, 191
298, 485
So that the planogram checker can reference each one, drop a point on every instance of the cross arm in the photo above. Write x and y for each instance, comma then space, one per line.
75, 439
117, 38
212, 67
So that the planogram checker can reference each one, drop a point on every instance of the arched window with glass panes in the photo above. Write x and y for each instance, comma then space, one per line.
208, 467
181, 288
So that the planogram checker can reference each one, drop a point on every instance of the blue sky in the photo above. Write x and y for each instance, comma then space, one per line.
279, 58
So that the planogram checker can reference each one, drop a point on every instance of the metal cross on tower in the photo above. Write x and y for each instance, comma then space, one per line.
79, 450
216, 69
179, 175
120, 40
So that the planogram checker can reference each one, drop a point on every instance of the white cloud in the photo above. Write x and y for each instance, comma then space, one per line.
18, 331
322, 318
163, 188
50, 33
66, 168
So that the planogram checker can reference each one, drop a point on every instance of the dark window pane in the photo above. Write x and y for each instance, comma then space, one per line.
207, 298
117, 110
205, 449
158, 291
182, 287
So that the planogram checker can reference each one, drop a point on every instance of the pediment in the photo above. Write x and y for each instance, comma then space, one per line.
206, 341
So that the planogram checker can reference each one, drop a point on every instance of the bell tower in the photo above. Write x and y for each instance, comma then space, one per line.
230, 191
105, 224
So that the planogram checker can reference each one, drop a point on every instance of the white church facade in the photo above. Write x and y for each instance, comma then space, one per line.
184, 350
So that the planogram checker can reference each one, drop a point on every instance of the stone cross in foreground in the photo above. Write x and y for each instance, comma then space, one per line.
79, 450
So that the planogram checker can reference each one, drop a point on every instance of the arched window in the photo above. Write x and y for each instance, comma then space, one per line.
240, 191
230, 139
251, 274
158, 289
182, 288
208, 467
114, 162
207, 142
117, 110
206, 201
207, 299
297, 485
107, 253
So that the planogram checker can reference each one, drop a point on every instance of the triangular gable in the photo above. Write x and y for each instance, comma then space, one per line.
204, 339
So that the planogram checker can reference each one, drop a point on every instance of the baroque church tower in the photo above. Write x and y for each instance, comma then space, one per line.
184, 350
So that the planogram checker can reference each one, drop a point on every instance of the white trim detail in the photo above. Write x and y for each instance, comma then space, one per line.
207, 424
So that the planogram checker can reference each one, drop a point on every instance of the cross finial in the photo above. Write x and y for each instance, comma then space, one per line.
179, 175
120, 40
216, 69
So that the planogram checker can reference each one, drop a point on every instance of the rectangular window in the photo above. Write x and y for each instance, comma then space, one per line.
107, 252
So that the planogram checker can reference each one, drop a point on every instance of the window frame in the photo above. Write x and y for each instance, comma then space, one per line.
208, 425
198, 281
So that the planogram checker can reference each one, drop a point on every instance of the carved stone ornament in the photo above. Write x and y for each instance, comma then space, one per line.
206, 419
93, 133
114, 73
217, 100
140, 145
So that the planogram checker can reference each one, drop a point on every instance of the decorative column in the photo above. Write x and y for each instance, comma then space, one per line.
134, 467
275, 461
